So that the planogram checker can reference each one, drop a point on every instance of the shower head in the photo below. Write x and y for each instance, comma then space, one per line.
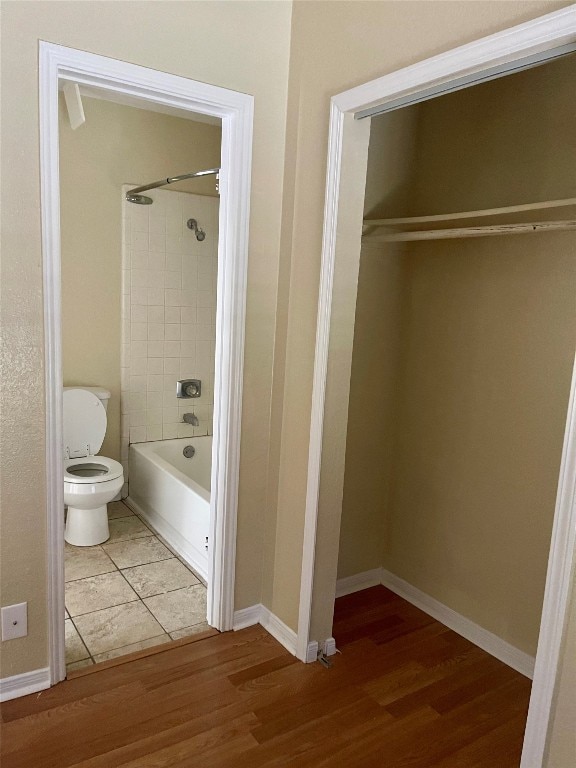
139, 199
193, 225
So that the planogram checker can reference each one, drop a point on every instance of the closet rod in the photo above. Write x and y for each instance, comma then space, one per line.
565, 203
488, 231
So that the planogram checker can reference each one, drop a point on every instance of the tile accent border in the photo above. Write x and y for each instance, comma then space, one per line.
488, 641
24, 684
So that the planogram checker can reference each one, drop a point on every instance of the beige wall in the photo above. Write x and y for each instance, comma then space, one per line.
116, 145
243, 46
488, 338
334, 46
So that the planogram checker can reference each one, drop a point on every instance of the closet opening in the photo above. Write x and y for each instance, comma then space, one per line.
462, 363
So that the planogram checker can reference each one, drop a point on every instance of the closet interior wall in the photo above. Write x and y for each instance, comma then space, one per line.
463, 354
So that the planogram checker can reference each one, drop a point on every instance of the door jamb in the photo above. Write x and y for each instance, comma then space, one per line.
541, 34
235, 110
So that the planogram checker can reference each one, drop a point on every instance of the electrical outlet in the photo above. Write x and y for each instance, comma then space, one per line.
14, 621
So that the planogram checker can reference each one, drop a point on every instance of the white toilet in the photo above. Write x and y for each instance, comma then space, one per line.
90, 481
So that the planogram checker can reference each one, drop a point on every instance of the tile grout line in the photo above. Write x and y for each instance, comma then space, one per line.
138, 598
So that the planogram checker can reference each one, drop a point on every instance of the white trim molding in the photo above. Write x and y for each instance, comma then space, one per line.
358, 582
129, 82
539, 35
259, 614
247, 617
488, 641
24, 684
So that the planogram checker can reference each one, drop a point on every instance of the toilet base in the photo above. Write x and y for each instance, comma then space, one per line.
87, 527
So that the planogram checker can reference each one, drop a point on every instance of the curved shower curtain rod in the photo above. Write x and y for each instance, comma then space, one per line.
133, 197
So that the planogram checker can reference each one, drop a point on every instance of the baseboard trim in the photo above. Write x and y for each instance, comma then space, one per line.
282, 632
259, 614
246, 617
311, 652
24, 684
358, 582
330, 646
488, 641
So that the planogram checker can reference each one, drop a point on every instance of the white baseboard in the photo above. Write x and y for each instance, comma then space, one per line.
285, 636
259, 614
329, 646
21, 685
358, 582
311, 652
488, 641
246, 617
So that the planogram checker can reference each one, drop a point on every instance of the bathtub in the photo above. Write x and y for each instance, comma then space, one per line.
172, 494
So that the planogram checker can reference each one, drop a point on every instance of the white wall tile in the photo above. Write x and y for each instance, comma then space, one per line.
138, 418
172, 331
154, 383
154, 433
172, 365
155, 331
172, 297
168, 315
188, 314
155, 314
155, 349
137, 434
172, 314
172, 349
155, 365
154, 417
169, 431
155, 296
154, 400
139, 331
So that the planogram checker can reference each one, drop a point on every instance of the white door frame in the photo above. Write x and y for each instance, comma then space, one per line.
235, 110
346, 136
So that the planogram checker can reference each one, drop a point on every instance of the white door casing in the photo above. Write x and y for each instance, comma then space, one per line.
129, 81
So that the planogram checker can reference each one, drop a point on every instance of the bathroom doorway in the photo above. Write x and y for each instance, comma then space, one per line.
218, 273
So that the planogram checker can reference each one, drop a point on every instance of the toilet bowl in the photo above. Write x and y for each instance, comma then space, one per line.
90, 481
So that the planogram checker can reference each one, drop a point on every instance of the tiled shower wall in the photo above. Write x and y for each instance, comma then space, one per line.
168, 315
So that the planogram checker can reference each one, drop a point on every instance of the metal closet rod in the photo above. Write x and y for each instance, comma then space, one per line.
172, 180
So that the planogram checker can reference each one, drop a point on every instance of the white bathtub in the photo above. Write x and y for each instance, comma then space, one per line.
172, 493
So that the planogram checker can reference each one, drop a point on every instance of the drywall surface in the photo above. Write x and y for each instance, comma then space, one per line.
116, 145
371, 411
371, 408
336, 46
488, 338
241, 46
505, 142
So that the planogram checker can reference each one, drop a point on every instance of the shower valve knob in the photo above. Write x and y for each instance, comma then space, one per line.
186, 388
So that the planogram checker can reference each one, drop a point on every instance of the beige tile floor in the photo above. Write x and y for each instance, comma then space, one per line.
129, 593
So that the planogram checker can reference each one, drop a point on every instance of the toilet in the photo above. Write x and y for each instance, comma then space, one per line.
90, 481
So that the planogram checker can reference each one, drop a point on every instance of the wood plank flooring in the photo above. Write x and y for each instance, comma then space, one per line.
405, 692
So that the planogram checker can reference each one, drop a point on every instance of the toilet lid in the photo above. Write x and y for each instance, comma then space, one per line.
84, 423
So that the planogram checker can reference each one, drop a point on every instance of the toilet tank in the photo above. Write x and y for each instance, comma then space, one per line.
102, 394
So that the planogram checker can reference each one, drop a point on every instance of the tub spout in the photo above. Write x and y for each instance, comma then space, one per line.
191, 418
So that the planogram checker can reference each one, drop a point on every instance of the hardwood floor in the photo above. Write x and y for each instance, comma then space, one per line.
404, 692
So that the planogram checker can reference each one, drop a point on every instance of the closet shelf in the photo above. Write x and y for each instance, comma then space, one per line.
474, 223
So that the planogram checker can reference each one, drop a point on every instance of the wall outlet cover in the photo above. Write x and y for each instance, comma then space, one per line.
14, 621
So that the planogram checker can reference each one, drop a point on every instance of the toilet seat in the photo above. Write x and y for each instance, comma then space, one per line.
95, 469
